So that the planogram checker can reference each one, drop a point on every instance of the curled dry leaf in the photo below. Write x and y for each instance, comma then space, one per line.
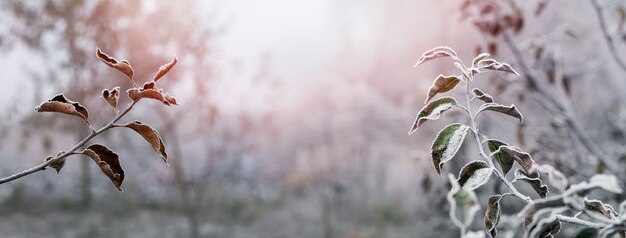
490, 64
151, 135
492, 215
108, 161
478, 58
543, 222
509, 110
112, 96
447, 144
555, 178
56, 165
149, 90
434, 53
165, 68
463, 204
432, 111
598, 206
60, 103
123, 66
482, 96
533, 180
442, 84
474, 174
504, 160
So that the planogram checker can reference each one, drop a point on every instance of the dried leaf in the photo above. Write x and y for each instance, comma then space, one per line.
112, 97
169, 99
60, 103
543, 223
479, 58
442, 84
108, 161
492, 215
522, 158
149, 90
165, 68
437, 52
533, 180
123, 66
447, 144
432, 111
509, 110
57, 165
474, 174
463, 204
151, 135
598, 206
482, 96
555, 178
504, 159
491, 64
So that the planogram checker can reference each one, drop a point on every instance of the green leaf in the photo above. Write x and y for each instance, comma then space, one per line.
587, 232
514, 153
447, 144
474, 174
492, 215
432, 111
504, 160
534, 181
509, 110
482, 96
442, 84
434, 53
463, 204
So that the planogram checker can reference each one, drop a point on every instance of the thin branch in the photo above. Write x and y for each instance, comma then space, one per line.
579, 221
607, 36
72, 151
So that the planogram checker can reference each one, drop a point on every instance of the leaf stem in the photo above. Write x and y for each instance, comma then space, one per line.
71, 151
578, 221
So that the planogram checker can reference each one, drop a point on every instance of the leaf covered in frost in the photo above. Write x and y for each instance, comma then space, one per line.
509, 110
492, 215
474, 174
108, 161
123, 66
504, 159
447, 144
534, 181
434, 53
60, 103
463, 204
442, 84
432, 111
111, 96
482, 96
151, 135
164, 69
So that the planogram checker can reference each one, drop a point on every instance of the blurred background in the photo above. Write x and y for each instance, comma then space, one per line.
294, 114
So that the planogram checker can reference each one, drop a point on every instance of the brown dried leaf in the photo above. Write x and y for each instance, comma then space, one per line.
60, 103
108, 161
432, 111
56, 165
112, 97
482, 96
151, 135
442, 84
170, 99
165, 68
434, 53
598, 206
509, 110
491, 64
149, 90
123, 66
